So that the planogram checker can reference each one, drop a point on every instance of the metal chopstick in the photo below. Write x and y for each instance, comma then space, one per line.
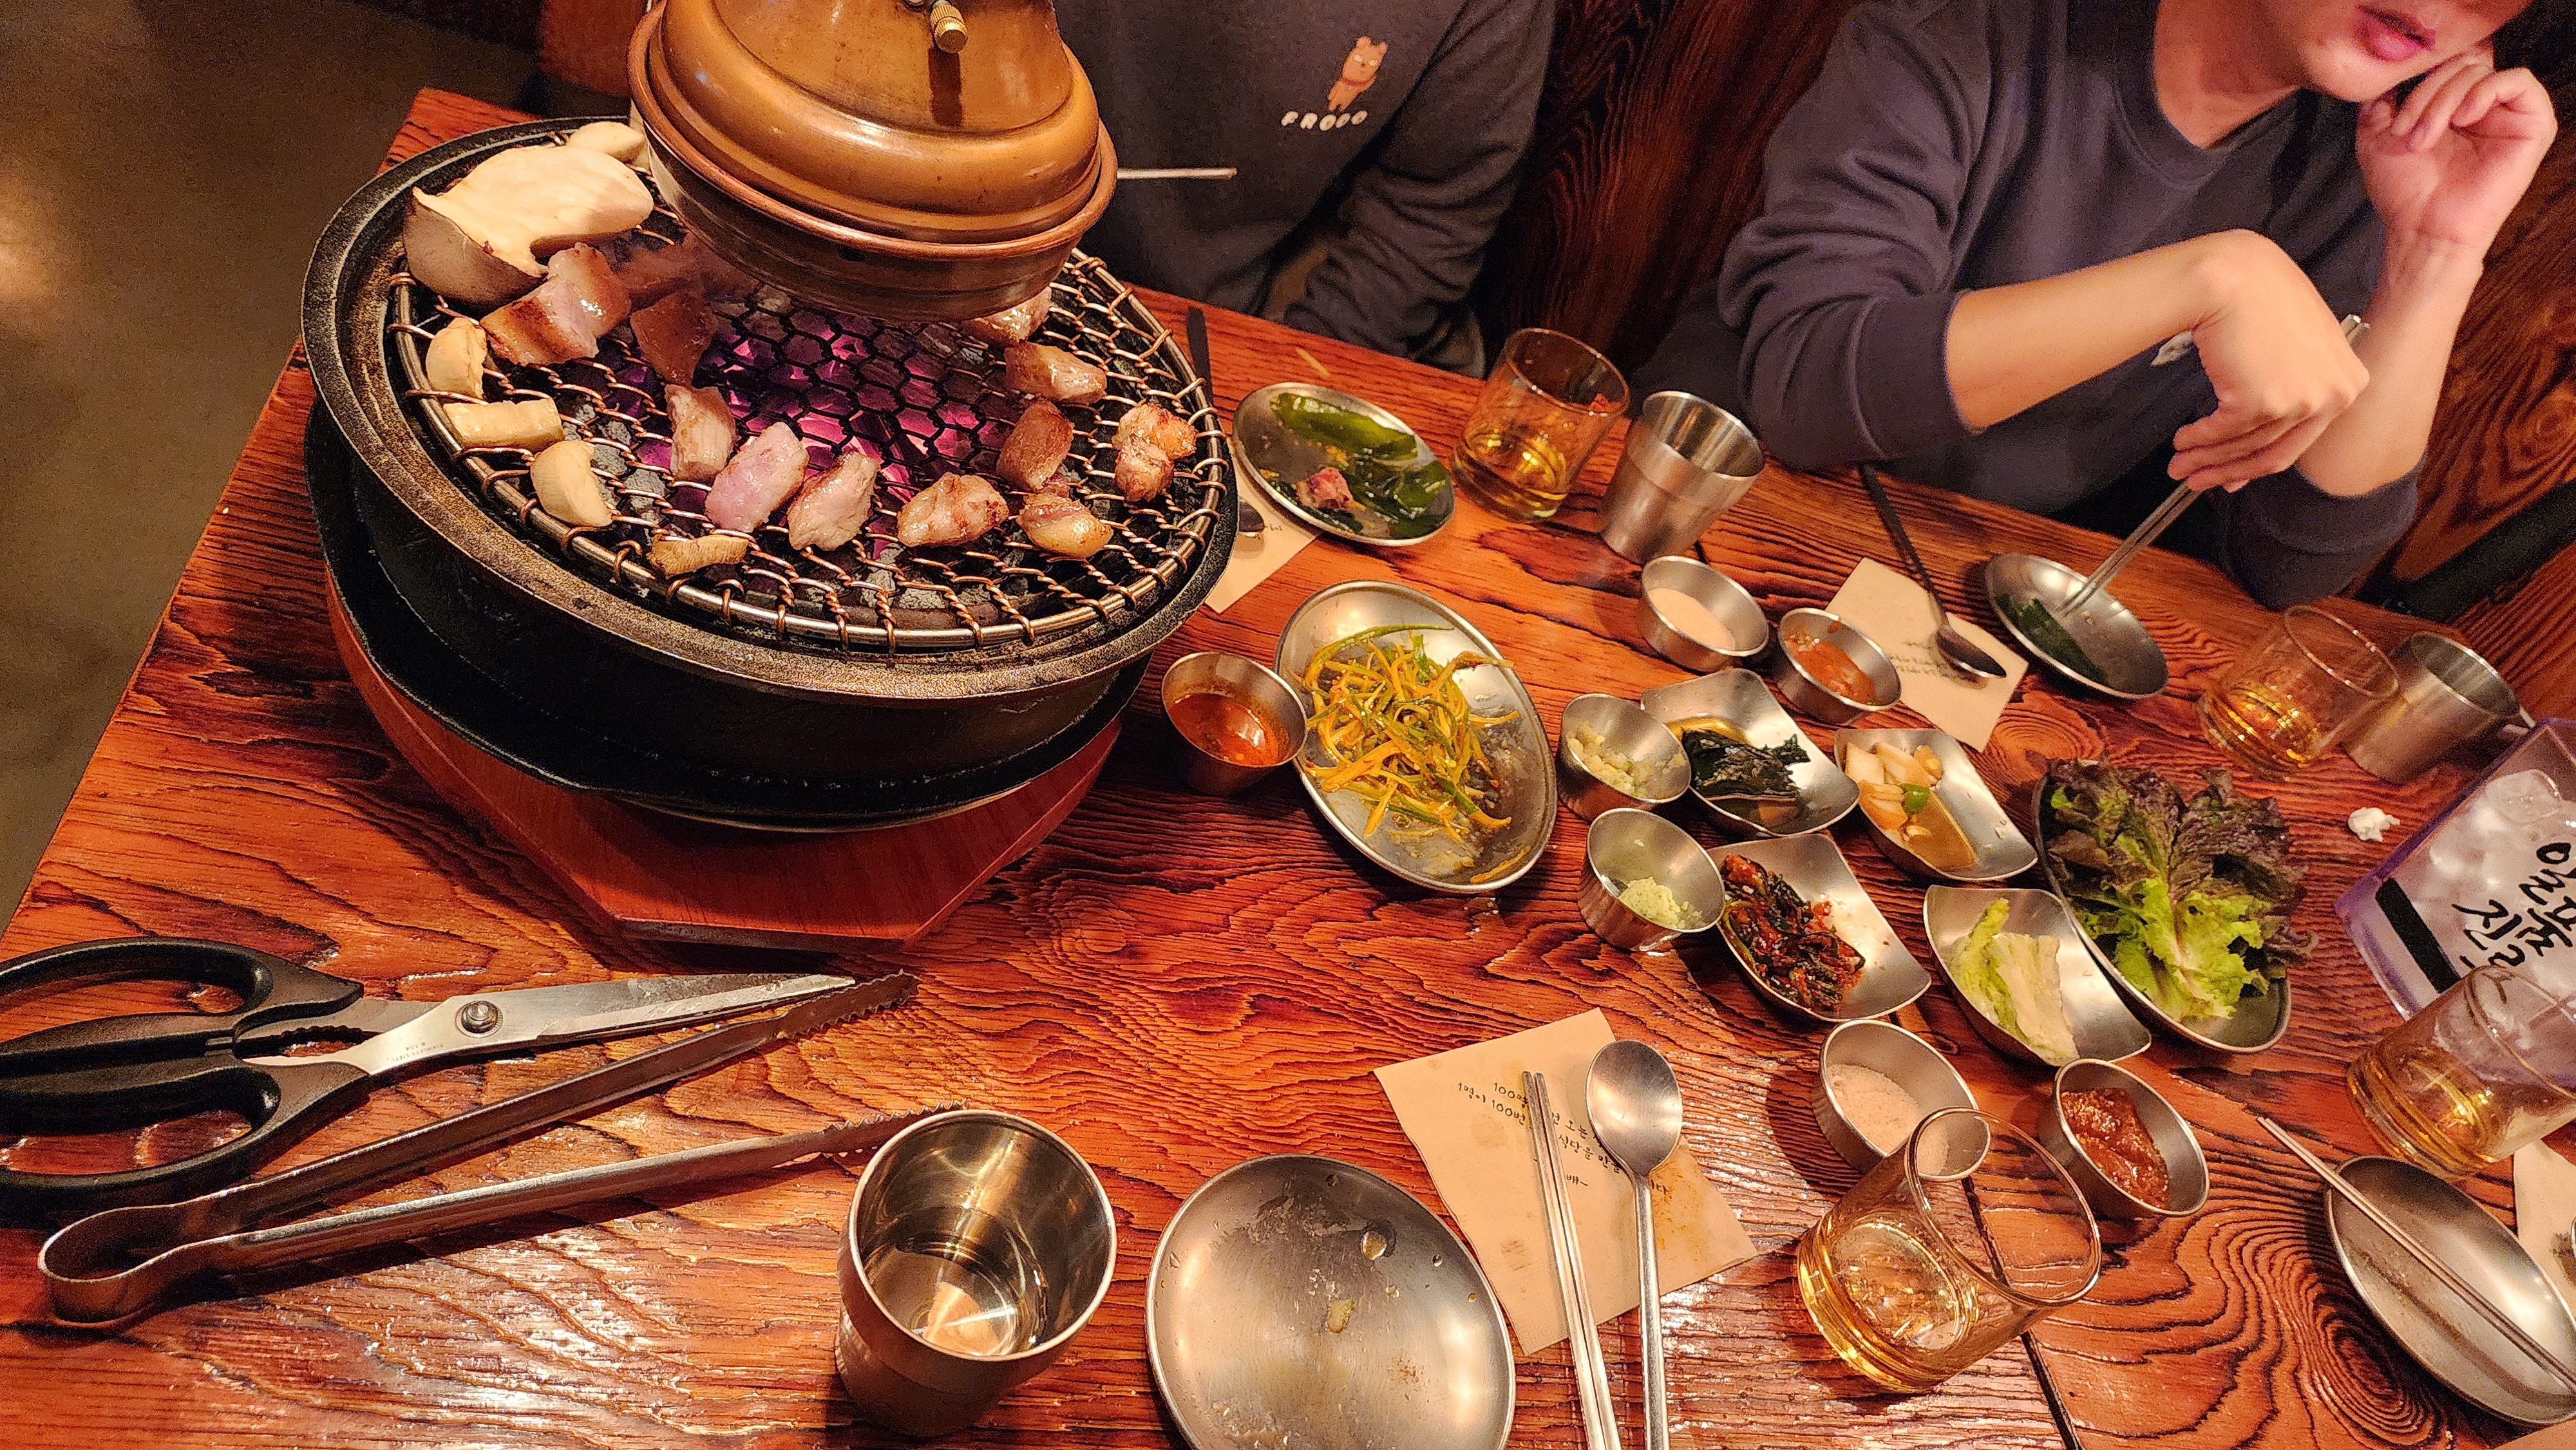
1176, 173
2450, 1277
2144, 534
1591, 1376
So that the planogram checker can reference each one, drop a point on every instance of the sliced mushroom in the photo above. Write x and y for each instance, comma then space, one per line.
569, 488
531, 423
454, 359
677, 556
483, 240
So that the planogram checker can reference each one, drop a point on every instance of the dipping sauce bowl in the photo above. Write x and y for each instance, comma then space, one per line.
1806, 690
2186, 1168
1897, 1055
1624, 729
1680, 601
1626, 845
1237, 719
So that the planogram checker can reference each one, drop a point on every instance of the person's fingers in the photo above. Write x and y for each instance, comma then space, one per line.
2509, 103
2420, 98
2189, 461
2434, 120
2273, 458
2228, 420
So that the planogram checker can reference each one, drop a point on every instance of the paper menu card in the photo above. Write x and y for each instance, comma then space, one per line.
1466, 1115
1893, 610
2544, 1206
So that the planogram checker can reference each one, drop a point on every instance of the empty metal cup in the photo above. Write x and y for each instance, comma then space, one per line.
978, 1244
1687, 461
2446, 697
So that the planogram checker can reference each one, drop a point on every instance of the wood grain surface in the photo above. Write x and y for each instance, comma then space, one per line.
1174, 983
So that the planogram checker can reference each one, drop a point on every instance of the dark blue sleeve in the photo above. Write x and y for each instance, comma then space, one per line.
2287, 541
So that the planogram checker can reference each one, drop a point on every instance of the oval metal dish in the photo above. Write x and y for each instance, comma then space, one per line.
2258, 1021
2104, 627
1739, 698
1524, 766
2103, 1029
1890, 977
1279, 459
2002, 850
1299, 1301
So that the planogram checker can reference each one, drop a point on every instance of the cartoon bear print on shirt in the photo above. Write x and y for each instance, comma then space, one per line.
1359, 72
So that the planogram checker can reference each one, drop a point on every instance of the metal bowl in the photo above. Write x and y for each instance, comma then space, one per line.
2452, 1341
2186, 1168
1250, 684
1722, 597
1281, 458
1623, 845
2002, 850
1907, 1060
1628, 731
1890, 977
2104, 627
2103, 1029
1516, 748
1246, 1285
1739, 699
1812, 697
2256, 1024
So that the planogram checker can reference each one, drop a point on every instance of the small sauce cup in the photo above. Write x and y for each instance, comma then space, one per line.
1627, 731
1736, 611
2186, 1167
1811, 696
1626, 845
1237, 719
1897, 1055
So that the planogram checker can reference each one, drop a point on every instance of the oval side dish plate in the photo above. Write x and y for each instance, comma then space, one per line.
1813, 865
2103, 1029
2001, 849
1281, 458
1300, 1301
1739, 699
2104, 629
1523, 764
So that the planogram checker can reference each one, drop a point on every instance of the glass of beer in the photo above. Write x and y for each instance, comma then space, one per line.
1546, 404
2282, 706
2488, 1067
1946, 1251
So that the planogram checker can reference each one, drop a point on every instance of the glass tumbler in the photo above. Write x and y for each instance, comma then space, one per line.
2283, 705
1946, 1251
1546, 405
2488, 1067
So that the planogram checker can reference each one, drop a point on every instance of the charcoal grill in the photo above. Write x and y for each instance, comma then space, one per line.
905, 668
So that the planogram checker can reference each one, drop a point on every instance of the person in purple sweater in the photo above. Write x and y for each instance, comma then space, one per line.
1989, 224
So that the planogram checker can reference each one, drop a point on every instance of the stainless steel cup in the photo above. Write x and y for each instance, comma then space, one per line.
1687, 461
1625, 845
2446, 697
978, 1245
1280, 706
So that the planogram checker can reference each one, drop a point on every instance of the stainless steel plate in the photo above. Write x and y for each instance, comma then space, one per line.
2453, 1343
2002, 850
1517, 749
1280, 459
2104, 627
1740, 699
2103, 1029
2254, 1026
1889, 976
1250, 1280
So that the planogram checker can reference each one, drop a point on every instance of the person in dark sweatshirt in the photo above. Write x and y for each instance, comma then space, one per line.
1989, 223
1376, 143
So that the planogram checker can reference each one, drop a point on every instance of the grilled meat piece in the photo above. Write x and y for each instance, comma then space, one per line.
1325, 491
1038, 442
580, 299
1150, 423
834, 504
960, 508
1052, 373
673, 334
701, 431
761, 476
677, 556
1064, 527
1144, 471
1013, 324
651, 276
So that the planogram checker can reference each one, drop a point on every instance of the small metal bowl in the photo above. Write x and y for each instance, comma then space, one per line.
1808, 695
1890, 977
2186, 1169
2104, 628
1739, 700
2002, 850
1249, 683
1722, 596
1626, 730
2103, 1030
1623, 845
1905, 1059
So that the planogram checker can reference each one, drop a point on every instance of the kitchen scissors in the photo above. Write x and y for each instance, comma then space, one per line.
138, 1070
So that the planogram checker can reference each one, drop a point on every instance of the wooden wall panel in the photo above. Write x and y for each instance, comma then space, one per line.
584, 42
2531, 636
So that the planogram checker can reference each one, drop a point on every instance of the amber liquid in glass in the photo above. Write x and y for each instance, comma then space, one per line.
1887, 1302
2432, 1110
1518, 473
2264, 727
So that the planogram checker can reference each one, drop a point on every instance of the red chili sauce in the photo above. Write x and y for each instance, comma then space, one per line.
1230, 730
2105, 1124
1832, 668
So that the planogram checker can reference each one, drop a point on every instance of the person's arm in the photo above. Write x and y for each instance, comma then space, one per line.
1426, 197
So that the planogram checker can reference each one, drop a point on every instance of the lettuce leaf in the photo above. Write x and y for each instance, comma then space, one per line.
2013, 980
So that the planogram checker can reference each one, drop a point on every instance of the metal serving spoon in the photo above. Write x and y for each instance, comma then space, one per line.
1957, 648
1636, 1108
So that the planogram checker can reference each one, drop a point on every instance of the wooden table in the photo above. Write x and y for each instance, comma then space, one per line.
1175, 983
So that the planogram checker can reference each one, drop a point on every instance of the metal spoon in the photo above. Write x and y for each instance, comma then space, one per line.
1636, 1108
1957, 648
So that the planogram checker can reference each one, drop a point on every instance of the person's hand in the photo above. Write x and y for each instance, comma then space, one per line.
2277, 357
2446, 166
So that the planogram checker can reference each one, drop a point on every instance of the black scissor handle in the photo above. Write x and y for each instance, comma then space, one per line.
272, 989
283, 1102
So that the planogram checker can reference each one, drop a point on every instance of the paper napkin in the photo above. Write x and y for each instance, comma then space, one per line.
1466, 1115
1258, 557
1894, 610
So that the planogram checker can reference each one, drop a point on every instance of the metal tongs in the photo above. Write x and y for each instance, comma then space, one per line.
119, 1262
